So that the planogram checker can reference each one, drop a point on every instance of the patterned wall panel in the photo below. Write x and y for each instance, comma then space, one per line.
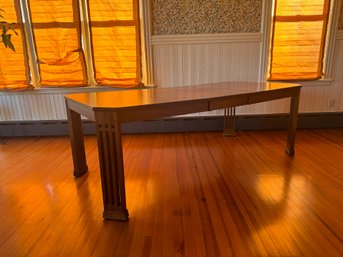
182, 17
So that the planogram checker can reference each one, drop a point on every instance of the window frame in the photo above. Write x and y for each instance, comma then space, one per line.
144, 37
266, 27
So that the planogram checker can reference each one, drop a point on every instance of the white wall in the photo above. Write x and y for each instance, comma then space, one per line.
186, 60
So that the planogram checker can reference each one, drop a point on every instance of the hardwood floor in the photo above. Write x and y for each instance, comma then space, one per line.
188, 194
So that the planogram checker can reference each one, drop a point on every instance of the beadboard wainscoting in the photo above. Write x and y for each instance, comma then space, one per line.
31, 107
207, 58
196, 59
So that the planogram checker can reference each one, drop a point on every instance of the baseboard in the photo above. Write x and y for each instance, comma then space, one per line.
184, 124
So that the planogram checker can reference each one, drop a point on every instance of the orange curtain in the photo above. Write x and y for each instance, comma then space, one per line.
298, 39
14, 69
114, 27
57, 36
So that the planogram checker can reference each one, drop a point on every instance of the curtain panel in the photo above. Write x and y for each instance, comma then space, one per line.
14, 68
299, 31
114, 27
57, 39
57, 42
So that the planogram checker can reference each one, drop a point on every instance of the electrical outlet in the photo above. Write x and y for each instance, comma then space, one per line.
331, 102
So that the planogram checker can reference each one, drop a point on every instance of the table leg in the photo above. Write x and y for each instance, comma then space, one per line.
292, 126
77, 143
111, 166
229, 121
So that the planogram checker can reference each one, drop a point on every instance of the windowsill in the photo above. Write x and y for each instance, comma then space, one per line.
319, 82
68, 90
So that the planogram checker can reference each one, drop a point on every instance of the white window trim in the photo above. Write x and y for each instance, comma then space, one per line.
86, 42
146, 46
31, 51
267, 14
331, 37
267, 8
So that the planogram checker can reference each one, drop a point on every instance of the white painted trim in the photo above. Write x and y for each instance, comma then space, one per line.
319, 82
331, 38
146, 33
266, 31
206, 38
31, 51
86, 43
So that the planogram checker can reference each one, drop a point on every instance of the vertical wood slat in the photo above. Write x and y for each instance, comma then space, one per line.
229, 121
111, 166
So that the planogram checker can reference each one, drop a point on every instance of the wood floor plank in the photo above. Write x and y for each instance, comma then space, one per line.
188, 194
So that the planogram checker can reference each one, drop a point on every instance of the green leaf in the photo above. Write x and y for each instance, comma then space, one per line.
11, 46
5, 36
6, 40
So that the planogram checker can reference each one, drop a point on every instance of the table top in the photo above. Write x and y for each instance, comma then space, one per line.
119, 99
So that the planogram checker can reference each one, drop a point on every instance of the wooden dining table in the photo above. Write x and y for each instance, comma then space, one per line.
110, 109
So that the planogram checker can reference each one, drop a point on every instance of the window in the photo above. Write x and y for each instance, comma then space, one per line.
14, 68
72, 43
115, 20
57, 40
298, 18
299, 32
